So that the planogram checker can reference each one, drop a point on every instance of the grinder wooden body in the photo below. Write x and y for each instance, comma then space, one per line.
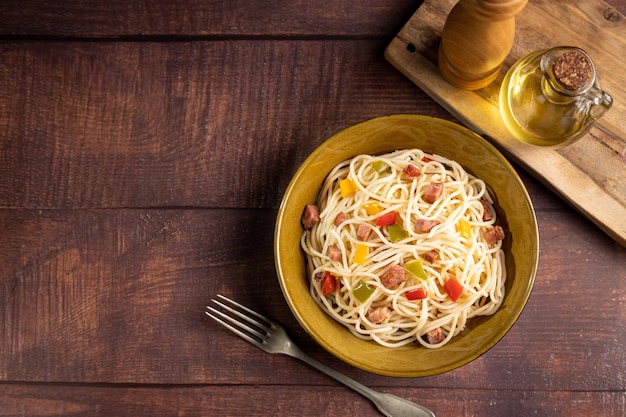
476, 38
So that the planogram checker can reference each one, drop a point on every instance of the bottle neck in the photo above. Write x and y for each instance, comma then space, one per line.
569, 71
554, 95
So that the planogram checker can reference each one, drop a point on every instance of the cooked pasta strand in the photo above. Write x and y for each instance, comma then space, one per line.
458, 240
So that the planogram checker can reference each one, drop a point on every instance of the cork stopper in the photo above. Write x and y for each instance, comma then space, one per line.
573, 70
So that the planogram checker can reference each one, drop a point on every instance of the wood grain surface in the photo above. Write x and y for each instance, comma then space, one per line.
144, 150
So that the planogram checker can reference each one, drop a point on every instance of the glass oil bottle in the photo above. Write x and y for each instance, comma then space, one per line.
552, 97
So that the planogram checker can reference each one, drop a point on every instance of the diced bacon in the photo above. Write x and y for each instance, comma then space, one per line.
435, 336
411, 171
488, 212
340, 218
378, 314
431, 256
334, 253
363, 232
495, 234
393, 277
433, 191
425, 226
310, 216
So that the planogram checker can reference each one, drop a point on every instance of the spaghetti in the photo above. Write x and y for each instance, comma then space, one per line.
404, 247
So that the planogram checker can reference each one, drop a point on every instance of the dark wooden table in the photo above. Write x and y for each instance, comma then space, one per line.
144, 150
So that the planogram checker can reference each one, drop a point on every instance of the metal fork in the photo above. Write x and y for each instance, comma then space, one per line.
269, 336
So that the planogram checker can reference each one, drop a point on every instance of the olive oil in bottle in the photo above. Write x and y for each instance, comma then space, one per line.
551, 97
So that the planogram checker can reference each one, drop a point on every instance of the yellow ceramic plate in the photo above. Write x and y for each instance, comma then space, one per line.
515, 213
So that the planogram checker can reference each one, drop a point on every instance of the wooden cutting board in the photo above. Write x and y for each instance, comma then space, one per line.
589, 174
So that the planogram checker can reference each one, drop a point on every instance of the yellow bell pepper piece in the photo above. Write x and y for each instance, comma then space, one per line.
360, 253
464, 229
372, 207
347, 187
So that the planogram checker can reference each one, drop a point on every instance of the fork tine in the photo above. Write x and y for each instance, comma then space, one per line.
246, 320
249, 311
225, 321
242, 326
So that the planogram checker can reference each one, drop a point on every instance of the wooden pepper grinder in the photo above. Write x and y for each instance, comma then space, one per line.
476, 38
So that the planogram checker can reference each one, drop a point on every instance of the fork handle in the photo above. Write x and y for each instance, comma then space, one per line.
388, 404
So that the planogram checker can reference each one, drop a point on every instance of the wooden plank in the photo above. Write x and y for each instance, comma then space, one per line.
201, 18
118, 149
110, 295
142, 124
282, 400
117, 296
589, 174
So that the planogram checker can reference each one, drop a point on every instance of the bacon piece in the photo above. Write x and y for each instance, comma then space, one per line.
411, 171
425, 226
433, 191
393, 277
494, 235
435, 336
378, 314
363, 232
431, 256
488, 212
340, 218
310, 216
334, 253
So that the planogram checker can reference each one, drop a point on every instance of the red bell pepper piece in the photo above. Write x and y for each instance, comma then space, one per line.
329, 283
415, 294
453, 288
386, 219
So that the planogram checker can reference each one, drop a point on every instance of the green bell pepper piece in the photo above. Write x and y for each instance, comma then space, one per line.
363, 291
380, 167
415, 268
396, 232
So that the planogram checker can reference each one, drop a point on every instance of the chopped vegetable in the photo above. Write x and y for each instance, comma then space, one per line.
360, 253
347, 187
464, 229
397, 232
415, 268
372, 207
329, 283
453, 288
380, 167
363, 291
386, 219
415, 294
